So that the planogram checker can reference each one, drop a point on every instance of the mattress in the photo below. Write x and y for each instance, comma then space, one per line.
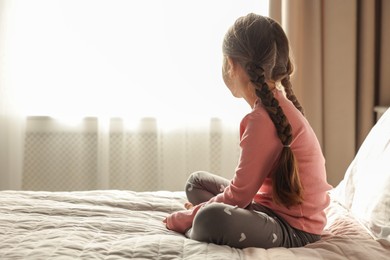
117, 224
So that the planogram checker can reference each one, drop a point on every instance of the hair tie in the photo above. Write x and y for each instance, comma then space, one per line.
286, 145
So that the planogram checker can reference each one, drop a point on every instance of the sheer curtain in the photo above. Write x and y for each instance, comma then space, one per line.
342, 59
11, 120
116, 94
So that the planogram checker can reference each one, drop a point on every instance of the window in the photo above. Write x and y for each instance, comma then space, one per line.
145, 58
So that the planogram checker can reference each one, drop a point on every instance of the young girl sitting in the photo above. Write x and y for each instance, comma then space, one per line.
278, 194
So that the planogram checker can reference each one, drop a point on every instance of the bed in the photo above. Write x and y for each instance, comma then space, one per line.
119, 224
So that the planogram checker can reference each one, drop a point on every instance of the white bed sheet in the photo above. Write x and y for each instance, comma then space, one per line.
344, 238
114, 224
96, 225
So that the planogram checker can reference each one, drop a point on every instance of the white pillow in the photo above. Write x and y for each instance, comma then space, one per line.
365, 189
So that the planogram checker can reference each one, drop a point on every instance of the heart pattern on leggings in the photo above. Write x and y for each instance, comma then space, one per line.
242, 238
275, 237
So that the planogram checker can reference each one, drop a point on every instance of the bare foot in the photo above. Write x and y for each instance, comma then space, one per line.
188, 205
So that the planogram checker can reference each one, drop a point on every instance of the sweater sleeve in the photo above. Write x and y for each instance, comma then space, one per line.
260, 147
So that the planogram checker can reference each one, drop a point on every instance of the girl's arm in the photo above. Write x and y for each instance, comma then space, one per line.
260, 147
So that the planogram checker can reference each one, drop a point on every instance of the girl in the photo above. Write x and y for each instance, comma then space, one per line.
278, 194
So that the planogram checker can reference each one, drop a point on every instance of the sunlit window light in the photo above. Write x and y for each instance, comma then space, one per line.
128, 59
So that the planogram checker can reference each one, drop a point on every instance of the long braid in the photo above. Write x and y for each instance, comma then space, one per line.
290, 94
288, 88
285, 180
271, 104
283, 66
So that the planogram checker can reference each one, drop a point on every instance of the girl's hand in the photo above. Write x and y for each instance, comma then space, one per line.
181, 221
187, 205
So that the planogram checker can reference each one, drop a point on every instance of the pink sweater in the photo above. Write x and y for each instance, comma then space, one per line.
260, 147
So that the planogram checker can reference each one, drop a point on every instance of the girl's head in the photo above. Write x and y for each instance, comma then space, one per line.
260, 47
258, 41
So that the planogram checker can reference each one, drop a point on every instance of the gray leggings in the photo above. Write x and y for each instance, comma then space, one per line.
254, 226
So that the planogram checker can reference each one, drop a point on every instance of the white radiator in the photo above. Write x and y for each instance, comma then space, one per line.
58, 157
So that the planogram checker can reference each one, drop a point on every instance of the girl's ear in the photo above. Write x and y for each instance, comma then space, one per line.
230, 66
